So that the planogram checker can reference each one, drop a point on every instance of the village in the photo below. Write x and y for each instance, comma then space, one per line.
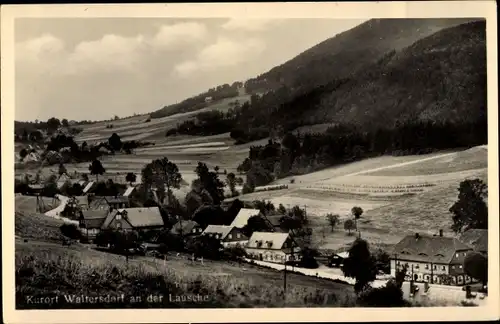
348, 171
433, 265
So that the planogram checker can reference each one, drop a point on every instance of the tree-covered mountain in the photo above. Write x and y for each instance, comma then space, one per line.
441, 77
348, 52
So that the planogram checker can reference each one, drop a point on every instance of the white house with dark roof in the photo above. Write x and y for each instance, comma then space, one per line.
243, 216
227, 234
434, 259
272, 247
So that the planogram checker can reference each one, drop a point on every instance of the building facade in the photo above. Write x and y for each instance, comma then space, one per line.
227, 234
272, 247
433, 259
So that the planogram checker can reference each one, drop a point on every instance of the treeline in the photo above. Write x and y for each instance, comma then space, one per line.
199, 102
206, 123
302, 153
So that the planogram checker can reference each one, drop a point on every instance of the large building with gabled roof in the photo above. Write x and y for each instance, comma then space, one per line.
227, 234
435, 259
272, 247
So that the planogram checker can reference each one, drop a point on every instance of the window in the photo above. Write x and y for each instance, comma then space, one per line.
453, 267
443, 268
457, 255
460, 266
417, 267
238, 235
399, 263
118, 216
465, 253
435, 267
426, 267
230, 236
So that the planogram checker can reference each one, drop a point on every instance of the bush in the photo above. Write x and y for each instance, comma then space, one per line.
388, 296
70, 231
234, 253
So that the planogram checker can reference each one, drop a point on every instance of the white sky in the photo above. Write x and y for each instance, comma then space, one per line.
95, 68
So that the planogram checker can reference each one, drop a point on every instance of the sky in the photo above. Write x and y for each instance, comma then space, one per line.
96, 68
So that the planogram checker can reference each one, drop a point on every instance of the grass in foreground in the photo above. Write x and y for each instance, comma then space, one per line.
58, 271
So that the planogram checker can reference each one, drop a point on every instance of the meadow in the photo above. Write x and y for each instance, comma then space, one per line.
80, 270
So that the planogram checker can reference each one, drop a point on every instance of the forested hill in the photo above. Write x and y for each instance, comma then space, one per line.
348, 52
439, 78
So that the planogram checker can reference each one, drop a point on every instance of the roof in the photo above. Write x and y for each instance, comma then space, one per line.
82, 200
478, 238
116, 199
187, 227
277, 239
82, 183
94, 218
98, 200
223, 230
435, 249
36, 186
138, 217
274, 220
128, 191
88, 186
343, 255
243, 216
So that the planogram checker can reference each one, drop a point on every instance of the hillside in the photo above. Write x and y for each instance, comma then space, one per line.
441, 78
348, 52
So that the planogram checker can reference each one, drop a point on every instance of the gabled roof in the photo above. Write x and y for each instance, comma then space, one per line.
82, 200
93, 218
243, 216
436, 249
128, 191
187, 227
477, 238
223, 230
277, 239
88, 187
137, 217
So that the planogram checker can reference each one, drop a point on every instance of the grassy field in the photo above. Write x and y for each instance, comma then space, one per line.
32, 225
78, 269
138, 128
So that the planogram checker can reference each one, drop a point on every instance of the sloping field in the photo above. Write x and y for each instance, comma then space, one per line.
471, 159
136, 128
240, 285
29, 224
396, 199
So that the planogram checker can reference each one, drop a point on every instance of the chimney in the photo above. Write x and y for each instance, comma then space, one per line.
417, 236
440, 233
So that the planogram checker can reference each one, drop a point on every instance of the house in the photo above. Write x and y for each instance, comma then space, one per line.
36, 188
186, 228
106, 202
337, 259
228, 235
435, 259
477, 238
208, 99
272, 247
91, 222
82, 202
134, 219
243, 216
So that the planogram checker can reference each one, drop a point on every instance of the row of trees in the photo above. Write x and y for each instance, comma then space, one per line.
303, 153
